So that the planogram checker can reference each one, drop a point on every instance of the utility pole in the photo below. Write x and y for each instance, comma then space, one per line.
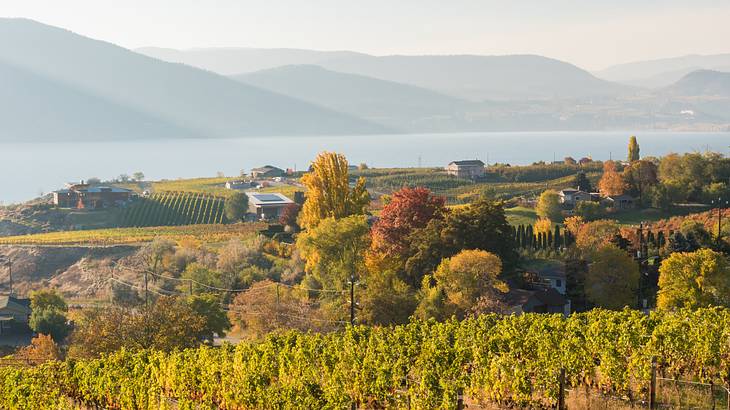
352, 299
719, 218
640, 257
9, 264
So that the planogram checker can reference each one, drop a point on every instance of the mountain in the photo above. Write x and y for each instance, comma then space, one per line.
393, 104
236, 60
173, 95
704, 83
663, 72
33, 107
471, 77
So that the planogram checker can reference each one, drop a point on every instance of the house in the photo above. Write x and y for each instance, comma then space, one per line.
267, 171
619, 201
537, 301
267, 205
570, 197
13, 311
548, 275
85, 196
471, 169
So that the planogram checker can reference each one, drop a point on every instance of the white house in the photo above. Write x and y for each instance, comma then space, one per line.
570, 197
471, 168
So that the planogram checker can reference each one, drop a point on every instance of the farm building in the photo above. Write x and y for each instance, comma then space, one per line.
471, 169
267, 205
85, 196
570, 197
267, 171
537, 301
238, 184
619, 201
13, 311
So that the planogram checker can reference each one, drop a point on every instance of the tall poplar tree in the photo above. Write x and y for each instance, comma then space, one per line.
633, 149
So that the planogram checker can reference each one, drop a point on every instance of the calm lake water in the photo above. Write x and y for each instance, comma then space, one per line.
27, 170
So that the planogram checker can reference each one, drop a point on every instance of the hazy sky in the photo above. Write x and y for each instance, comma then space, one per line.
590, 33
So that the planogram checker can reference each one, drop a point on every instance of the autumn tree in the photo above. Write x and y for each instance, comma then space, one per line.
42, 348
409, 209
639, 176
593, 235
633, 150
693, 280
167, 324
611, 182
612, 279
236, 206
548, 206
334, 250
328, 191
469, 276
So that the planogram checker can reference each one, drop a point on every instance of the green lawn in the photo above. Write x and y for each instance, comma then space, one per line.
520, 216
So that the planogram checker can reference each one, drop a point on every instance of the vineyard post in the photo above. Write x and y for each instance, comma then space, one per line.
190, 287
277, 303
146, 294
712, 394
561, 391
460, 399
652, 385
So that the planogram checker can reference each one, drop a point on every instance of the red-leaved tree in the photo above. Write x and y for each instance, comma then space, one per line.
408, 210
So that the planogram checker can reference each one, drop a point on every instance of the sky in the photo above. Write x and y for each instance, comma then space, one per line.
592, 34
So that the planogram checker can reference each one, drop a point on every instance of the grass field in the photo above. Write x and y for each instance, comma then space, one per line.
121, 236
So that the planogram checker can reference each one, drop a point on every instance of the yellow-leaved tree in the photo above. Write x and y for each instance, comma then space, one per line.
328, 191
694, 280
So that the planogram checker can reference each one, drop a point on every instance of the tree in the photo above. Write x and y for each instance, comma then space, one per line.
42, 349
167, 324
548, 206
593, 235
570, 161
480, 225
469, 276
289, 215
639, 176
611, 182
581, 182
386, 299
409, 209
612, 279
589, 210
633, 150
328, 192
209, 308
138, 176
334, 250
123, 178
236, 206
693, 280
49, 314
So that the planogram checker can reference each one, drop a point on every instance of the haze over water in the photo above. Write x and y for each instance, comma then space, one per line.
27, 170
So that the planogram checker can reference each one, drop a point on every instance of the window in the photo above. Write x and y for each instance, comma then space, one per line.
558, 283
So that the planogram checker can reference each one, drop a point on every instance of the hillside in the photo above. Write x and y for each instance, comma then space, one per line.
464, 76
193, 100
663, 72
33, 107
392, 104
702, 83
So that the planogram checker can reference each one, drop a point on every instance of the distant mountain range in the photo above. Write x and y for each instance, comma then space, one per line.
56, 86
476, 78
663, 72
166, 100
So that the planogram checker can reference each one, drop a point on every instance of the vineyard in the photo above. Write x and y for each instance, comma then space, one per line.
174, 208
513, 360
119, 236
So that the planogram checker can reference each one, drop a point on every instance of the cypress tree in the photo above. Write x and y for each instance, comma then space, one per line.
556, 237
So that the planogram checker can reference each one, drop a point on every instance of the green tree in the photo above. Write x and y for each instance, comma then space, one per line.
236, 206
386, 299
589, 210
581, 182
209, 308
48, 314
633, 150
693, 280
138, 176
328, 191
335, 249
548, 206
612, 279
639, 176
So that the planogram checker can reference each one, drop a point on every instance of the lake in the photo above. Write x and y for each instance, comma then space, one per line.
27, 170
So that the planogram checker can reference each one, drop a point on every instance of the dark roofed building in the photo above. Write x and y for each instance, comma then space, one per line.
87, 196
267, 171
13, 311
537, 301
470, 169
267, 205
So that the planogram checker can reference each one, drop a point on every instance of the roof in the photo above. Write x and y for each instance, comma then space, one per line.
622, 197
549, 297
568, 191
11, 301
263, 199
468, 162
94, 189
267, 168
